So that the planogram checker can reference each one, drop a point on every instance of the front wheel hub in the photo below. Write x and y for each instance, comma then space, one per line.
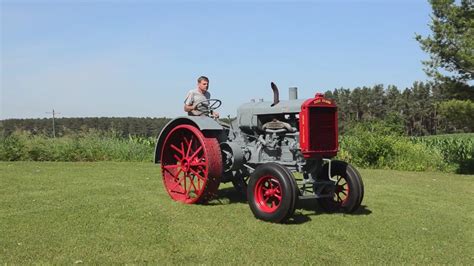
268, 194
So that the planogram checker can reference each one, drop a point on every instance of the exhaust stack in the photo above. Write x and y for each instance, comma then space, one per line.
276, 95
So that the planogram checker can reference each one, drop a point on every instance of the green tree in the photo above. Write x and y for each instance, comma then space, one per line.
451, 44
394, 99
458, 115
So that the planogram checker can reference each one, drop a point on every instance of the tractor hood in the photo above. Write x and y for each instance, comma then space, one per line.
260, 108
248, 113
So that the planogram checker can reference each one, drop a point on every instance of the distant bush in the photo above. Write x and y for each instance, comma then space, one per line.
374, 146
91, 146
456, 149
11, 148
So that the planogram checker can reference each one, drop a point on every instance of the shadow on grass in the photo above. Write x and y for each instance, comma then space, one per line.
227, 196
313, 206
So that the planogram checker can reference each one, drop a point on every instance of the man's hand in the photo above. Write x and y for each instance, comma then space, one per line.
215, 114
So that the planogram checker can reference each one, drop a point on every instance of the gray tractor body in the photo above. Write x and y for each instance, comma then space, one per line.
258, 152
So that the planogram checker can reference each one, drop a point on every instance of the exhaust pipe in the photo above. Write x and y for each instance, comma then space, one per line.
293, 93
276, 95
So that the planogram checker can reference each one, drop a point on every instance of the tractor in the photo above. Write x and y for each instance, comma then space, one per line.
259, 151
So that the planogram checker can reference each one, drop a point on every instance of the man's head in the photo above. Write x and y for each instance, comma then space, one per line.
203, 83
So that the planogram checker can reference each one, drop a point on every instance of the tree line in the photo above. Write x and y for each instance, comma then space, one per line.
422, 109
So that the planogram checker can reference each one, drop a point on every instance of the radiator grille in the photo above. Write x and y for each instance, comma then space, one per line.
322, 129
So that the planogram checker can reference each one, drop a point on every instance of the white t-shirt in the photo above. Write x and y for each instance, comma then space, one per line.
194, 97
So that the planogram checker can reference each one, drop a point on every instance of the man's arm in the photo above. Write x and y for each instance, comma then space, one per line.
188, 108
188, 103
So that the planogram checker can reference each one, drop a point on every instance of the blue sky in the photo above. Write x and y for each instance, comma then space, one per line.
139, 58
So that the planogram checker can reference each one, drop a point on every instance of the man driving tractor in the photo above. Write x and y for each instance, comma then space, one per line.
199, 95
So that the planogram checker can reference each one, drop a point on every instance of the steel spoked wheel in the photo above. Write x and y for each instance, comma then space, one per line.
272, 193
191, 165
347, 193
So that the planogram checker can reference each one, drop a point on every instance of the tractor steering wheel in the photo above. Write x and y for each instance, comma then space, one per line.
207, 106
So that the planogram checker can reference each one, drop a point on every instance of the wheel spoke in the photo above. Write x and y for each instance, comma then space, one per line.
188, 189
168, 168
265, 197
171, 166
180, 180
176, 157
177, 174
199, 178
190, 144
199, 184
184, 185
186, 140
177, 183
197, 174
177, 149
341, 181
338, 198
278, 197
191, 181
195, 153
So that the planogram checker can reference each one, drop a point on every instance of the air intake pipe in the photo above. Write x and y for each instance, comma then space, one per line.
293, 93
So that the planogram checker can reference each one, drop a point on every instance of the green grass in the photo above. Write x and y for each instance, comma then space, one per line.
110, 212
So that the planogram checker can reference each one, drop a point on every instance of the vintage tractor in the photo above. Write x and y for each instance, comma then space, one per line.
258, 152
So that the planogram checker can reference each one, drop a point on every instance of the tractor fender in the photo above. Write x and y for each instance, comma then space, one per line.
203, 123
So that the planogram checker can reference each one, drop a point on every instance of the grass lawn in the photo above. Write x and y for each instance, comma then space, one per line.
120, 213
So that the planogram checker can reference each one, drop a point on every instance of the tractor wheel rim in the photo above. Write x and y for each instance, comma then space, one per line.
268, 194
185, 168
341, 192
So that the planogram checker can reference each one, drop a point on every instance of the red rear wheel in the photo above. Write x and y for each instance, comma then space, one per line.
191, 165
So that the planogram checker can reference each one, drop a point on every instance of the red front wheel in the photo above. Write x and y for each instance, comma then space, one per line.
191, 165
272, 193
